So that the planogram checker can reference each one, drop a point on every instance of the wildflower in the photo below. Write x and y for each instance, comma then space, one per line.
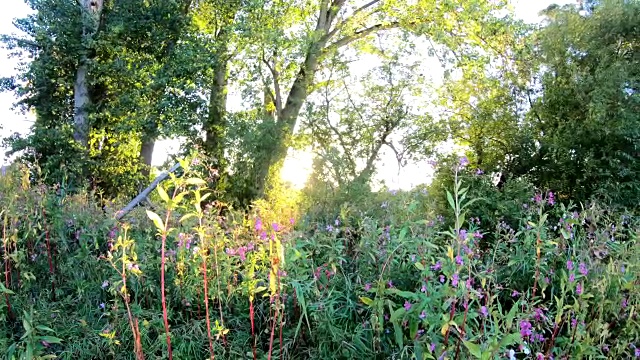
511, 354
484, 311
579, 289
572, 277
437, 266
230, 252
423, 288
432, 347
537, 198
367, 286
624, 303
462, 234
477, 234
276, 227
292, 221
337, 222
539, 356
390, 283
525, 328
550, 198
637, 353
605, 348
459, 260
420, 332
263, 235
569, 265
582, 268
454, 279
258, 225
515, 293
464, 161
329, 228
442, 279
538, 314
105, 284
422, 315
407, 305
479, 172
102, 306
574, 322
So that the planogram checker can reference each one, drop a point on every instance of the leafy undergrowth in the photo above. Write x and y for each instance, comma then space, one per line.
383, 278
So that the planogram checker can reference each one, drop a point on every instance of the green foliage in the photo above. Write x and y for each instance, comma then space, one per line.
380, 275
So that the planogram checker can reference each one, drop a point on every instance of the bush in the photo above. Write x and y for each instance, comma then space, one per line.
384, 277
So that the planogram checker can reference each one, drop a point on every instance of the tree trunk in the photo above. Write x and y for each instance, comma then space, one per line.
216, 123
81, 103
146, 154
91, 13
275, 152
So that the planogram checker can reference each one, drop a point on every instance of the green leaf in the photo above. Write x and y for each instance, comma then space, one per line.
367, 301
419, 266
187, 217
195, 181
163, 194
451, 202
156, 220
51, 339
474, 349
44, 328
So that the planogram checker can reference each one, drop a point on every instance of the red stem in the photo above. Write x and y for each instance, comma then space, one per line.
206, 308
49, 255
253, 333
164, 300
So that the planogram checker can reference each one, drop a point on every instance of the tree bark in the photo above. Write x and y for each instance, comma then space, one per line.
146, 154
216, 122
91, 13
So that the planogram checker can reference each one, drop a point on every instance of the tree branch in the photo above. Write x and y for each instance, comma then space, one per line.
346, 40
276, 84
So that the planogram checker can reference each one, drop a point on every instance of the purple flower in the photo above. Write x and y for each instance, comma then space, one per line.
515, 293
479, 172
537, 198
292, 221
258, 225
423, 288
105, 284
437, 266
329, 228
525, 328
407, 305
454, 279
276, 227
337, 222
367, 287
569, 265
477, 235
538, 314
422, 315
462, 234
484, 311
579, 288
637, 352
539, 356
263, 235
464, 161
574, 322
550, 198
442, 279
432, 347
459, 260
102, 306
420, 332
390, 283
572, 277
582, 268
230, 252
624, 303
622, 269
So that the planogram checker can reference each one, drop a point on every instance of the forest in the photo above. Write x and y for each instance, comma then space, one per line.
522, 243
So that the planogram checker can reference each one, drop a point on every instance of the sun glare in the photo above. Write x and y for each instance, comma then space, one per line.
297, 168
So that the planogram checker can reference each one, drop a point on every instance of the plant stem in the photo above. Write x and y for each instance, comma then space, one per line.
206, 288
49, 255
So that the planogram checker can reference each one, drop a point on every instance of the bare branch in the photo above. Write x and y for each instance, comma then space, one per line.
346, 40
276, 84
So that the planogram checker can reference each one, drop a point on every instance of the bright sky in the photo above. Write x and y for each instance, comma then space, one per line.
297, 168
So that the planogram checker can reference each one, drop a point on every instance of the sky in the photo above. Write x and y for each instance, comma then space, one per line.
297, 166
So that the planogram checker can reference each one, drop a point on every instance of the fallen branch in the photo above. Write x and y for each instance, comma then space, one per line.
145, 193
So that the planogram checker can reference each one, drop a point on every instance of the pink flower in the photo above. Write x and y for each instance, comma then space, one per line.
407, 305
